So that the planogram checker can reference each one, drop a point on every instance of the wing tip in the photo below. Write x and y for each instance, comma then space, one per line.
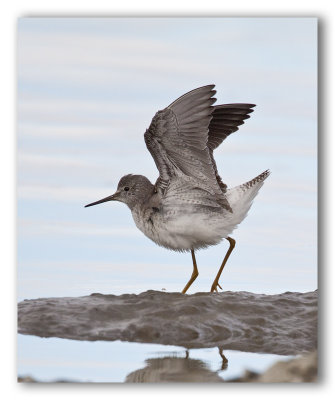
208, 87
237, 105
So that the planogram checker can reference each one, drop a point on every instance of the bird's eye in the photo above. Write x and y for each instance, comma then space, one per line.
126, 188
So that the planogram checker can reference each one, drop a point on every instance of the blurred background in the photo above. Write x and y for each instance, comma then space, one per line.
87, 90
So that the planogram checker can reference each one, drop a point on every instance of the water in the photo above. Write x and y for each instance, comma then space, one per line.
53, 359
202, 337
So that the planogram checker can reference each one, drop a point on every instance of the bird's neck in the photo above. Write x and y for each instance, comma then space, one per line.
144, 192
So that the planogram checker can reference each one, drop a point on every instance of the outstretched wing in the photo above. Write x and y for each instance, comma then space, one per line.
177, 140
226, 120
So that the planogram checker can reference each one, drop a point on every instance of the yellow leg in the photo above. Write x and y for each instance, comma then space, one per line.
216, 280
224, 359
195, 273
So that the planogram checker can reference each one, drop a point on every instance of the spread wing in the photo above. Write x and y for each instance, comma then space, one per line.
226, 120
177, 140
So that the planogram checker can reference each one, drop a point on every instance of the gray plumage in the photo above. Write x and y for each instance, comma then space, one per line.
189, 207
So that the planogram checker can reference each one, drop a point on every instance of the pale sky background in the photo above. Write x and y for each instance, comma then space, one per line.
87, 90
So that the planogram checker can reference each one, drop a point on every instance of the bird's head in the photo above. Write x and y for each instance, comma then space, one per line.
131, 190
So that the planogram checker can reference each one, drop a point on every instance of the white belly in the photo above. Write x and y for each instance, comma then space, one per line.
185, 232
190, 225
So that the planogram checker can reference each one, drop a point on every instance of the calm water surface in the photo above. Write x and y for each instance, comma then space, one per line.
53, 359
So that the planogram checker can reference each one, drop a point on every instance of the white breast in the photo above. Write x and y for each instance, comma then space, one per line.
184, 232
183, 226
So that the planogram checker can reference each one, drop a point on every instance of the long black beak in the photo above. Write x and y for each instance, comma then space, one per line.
109, 198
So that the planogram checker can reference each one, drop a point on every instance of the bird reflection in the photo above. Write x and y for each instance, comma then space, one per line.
224, 359
177, 369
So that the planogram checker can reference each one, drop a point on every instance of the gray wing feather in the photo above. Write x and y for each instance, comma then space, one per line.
181, 138
177, 140
226, 119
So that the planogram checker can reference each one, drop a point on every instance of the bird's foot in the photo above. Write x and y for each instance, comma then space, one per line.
214, 287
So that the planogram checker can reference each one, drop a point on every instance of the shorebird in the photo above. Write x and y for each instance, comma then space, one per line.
189, 207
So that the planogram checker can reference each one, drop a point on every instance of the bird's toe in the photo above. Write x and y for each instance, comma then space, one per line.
215, 286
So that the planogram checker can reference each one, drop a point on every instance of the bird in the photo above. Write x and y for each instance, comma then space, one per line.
189, 207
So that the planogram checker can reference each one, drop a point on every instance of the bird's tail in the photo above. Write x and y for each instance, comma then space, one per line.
242, 196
